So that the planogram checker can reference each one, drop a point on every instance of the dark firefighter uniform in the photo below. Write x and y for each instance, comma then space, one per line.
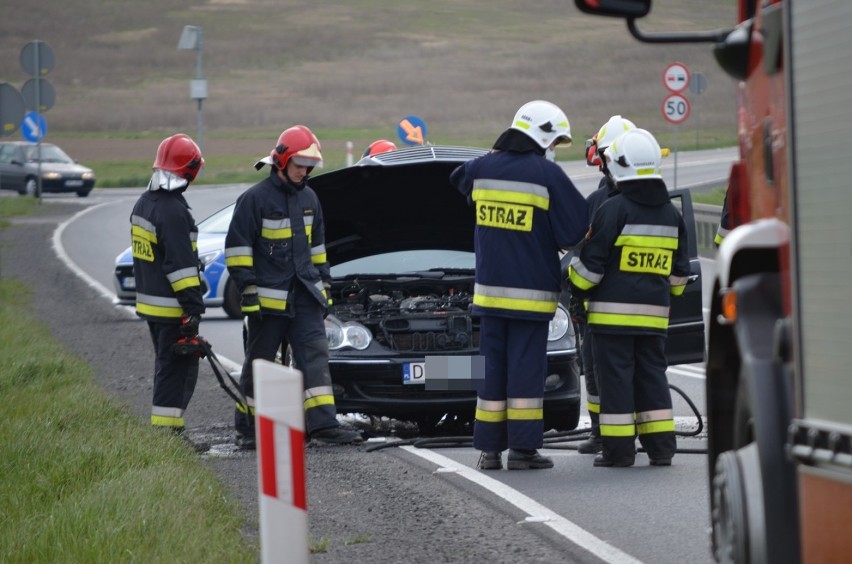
606, 189
522, 221
633, 261
165, 264
276, 241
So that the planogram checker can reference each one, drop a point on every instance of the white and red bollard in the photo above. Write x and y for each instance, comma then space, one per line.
281, 478
349, 158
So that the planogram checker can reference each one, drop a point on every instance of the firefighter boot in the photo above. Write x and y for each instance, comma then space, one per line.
527, 460
337, 436
592, 445
490, 460
603, 461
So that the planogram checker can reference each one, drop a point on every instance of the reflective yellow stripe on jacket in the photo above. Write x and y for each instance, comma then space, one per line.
517, 299
628, 315
158, 306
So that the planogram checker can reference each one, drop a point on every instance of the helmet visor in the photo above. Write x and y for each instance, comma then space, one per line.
306, 161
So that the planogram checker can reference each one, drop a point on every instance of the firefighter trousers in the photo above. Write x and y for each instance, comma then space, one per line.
304, 330
175, 377
635, 396
510, 403
593, 400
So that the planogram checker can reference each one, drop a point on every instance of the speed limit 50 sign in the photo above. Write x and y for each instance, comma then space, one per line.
675, 108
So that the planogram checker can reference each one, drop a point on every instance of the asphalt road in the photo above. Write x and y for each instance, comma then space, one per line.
449, 512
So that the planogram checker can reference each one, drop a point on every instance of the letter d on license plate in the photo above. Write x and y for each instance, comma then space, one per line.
414, 373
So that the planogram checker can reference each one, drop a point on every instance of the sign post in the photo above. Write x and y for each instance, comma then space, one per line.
37, 60
675, 107
697, 85
192, 38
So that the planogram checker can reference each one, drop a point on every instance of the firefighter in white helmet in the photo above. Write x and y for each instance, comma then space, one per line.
527, 210
608, 132
634, 259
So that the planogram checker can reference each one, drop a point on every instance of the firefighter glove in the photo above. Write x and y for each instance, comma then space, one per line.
577, 310
189, 325
250, 303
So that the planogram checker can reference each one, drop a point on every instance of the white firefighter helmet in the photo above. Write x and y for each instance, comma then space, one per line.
634, 155
615, 126
543, 122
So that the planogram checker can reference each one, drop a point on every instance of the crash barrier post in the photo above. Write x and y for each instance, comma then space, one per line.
282, 491
707, 219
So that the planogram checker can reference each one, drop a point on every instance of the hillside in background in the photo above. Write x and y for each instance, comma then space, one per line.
464, 66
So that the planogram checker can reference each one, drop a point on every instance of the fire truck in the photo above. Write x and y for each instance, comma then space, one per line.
779, 357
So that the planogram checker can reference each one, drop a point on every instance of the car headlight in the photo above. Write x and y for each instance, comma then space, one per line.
343, 335
207, 258
88, 175
558, 326
51, 176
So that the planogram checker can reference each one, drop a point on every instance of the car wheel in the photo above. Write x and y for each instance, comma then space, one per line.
83, 193
30, 187
231, 301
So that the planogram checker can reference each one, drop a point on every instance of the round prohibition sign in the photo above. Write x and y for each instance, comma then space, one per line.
675, 108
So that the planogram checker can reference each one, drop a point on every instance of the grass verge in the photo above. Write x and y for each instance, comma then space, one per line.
84, 481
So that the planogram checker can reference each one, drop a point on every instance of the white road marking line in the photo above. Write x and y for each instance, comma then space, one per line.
532, 508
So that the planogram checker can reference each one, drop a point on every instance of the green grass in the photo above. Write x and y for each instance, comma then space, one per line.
10, 207
84, 481
714, 197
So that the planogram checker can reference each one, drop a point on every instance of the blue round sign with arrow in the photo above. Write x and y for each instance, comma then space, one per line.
34, 127
411, 130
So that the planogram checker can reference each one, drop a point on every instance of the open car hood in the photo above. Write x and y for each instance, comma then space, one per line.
396, 201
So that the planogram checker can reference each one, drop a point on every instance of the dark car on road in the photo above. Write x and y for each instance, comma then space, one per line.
21, 163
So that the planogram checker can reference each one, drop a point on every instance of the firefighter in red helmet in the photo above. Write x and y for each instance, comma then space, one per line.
379, 146
275, 253
166, 267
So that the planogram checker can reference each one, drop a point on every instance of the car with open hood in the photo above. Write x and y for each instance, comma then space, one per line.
400, 241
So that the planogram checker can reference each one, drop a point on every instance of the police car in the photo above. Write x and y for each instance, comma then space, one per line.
219, 290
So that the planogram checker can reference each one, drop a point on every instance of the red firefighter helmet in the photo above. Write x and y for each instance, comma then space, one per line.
297, 143
379, 146
179, 155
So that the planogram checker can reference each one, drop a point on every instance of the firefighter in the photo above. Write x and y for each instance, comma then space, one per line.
166, 267
275, 253
379, 146
615, 126
526, 210
635, 257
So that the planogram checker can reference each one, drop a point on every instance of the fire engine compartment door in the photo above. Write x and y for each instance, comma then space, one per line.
821, 119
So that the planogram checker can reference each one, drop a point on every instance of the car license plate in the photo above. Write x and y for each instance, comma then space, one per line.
129, 283
73, 183
414, 373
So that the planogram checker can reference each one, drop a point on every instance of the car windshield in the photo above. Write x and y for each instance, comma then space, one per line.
400, 262
49, 154
218, 222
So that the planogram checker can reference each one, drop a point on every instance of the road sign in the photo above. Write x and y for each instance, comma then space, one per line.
675, 108
46, 94
33, 127
697, 83
676, 77
11, 109
37, 58
411, 130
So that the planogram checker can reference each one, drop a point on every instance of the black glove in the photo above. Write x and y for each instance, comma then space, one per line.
189, 325
577, 310
250, 302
